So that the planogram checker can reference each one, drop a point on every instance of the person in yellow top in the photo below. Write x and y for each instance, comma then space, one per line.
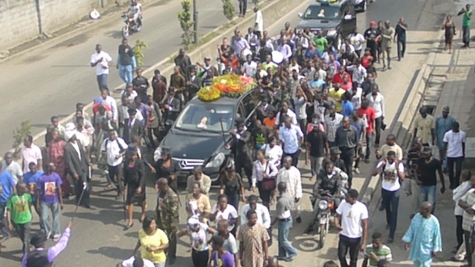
336, 93
424, 127
153, 242
198, 204
268, 64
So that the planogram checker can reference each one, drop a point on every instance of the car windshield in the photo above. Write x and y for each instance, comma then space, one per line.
322, 12
200, 117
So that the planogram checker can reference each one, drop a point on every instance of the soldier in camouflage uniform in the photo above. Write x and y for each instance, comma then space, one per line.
168, 215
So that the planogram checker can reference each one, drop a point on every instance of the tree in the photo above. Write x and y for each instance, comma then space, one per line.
19, 135
228, 9
186, 22
138, 51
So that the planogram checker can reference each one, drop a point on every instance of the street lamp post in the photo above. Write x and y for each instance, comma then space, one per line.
195, 22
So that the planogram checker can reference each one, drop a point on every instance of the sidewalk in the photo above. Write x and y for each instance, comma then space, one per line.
451, 83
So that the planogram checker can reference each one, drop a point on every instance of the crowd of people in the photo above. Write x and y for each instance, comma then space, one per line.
316, 98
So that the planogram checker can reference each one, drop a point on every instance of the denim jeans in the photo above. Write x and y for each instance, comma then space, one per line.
45, 208
454, 178
125, 73
3, 223
316, 164
102, 81
466, 35
428, 193
24, 232
285, 247
391, 204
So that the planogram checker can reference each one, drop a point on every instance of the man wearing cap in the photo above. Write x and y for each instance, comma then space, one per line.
443, 124
78, 166
372, 35
240, 148
41, 257
132, 127
387, 34
207, 66
335, 158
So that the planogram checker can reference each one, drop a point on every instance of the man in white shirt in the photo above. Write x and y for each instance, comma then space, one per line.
357, 40
110, 101
135, 262
351, 220
102, 61
376, 101
249, 67
258, 22
454, 143
291, 176
359, 72
291, 137
114, 148
391, 171
263, 216
285, 50
12, 167
285, 111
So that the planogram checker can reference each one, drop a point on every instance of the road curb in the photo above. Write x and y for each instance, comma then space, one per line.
401, 126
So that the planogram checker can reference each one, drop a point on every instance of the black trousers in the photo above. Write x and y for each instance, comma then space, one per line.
115, 175
346, 244
377, 129
294, 156
401, 48
348, 156
244, 163
78, 188
468, 247
151, 132
454, 177
459, 230
242, 11
200, 258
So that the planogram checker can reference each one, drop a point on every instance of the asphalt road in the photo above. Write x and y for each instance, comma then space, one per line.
98, 238
50, 82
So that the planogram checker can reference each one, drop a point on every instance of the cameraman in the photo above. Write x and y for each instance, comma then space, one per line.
329, 182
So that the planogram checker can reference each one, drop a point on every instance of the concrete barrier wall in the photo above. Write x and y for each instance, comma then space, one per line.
23, 20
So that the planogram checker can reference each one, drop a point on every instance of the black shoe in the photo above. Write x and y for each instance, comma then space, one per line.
381, 207
308, 229
171, 260
298, 220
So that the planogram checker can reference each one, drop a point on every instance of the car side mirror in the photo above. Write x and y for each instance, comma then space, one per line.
300, 15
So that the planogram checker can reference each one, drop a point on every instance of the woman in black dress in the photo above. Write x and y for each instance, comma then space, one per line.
166, 167
134, 181
449, 28
232, 185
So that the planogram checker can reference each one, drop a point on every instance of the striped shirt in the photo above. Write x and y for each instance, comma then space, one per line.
384, 253
468, 219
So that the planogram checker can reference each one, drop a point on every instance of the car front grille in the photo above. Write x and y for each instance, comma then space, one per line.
189, 164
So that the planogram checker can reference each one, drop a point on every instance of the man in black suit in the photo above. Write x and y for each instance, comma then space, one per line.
240, 148
193, 85
172, 105
78, 166
132, 127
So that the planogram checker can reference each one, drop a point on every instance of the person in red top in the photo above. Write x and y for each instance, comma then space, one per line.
367, 58
367, 113
338, 78
346, 84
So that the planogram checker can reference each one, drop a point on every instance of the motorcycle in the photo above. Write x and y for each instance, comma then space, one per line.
326, 209
130, 24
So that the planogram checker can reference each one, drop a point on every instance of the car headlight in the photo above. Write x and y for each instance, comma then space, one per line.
331, 33
216, 161
157, 154
323, 204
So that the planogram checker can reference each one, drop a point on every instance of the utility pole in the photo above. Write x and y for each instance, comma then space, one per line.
195, 22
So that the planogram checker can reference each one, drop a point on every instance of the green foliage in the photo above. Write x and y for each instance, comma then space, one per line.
228, 9
20, 133
138, 51
186, 22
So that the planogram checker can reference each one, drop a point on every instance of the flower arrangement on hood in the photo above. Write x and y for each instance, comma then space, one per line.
229, 85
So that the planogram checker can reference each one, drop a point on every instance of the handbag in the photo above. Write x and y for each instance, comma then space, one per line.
268, 184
